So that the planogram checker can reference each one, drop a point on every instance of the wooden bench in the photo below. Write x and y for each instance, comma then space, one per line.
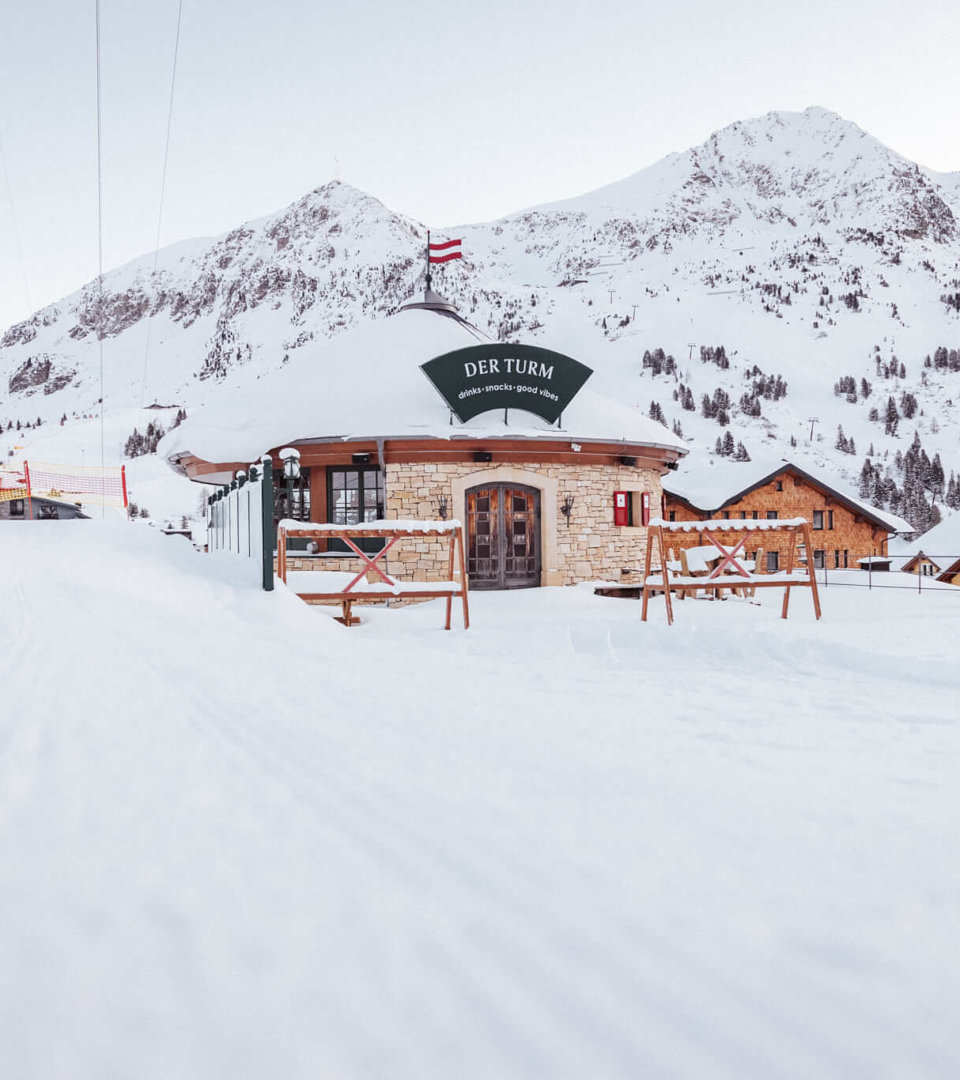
355, 587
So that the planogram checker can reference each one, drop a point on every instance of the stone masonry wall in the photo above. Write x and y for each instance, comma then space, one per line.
585, 547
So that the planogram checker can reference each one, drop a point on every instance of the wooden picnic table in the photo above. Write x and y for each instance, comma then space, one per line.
353, 587
719, 566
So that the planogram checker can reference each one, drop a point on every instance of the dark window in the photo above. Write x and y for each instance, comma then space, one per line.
836, 559
819, 558
673, 515
726, 515
829, 519
773, 561
743, 513
845, 556
354, 496
779, 485
756, 515
16, 508
818, 519
772, 515
294, 501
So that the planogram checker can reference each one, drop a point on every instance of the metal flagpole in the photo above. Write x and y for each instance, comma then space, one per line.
428, 258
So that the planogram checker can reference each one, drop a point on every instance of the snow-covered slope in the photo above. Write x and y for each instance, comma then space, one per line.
239, 841
796, 241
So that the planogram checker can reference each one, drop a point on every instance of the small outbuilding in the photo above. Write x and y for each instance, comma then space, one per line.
38, 508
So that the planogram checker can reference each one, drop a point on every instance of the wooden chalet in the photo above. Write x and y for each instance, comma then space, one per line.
923, 565
951, 576
844, 529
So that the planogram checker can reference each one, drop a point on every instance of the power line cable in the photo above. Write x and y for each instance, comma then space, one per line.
16, 227
163, 186
100, 253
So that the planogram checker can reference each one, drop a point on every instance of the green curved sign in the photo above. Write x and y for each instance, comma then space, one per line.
481, 378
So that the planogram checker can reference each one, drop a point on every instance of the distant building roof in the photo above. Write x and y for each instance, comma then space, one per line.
711, 487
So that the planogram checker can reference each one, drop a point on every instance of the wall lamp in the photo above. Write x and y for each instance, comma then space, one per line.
361, 459
566, 508
442, 508
291, 463
482, 455
628, 460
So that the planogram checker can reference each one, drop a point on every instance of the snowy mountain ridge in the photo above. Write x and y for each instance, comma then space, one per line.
796, 241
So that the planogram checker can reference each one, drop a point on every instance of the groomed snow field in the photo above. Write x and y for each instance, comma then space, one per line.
240, 841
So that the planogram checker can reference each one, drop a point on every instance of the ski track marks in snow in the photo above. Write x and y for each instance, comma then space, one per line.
238, 841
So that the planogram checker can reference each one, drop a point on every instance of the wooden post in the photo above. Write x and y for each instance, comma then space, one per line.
811, 570
282, 554
463, 579
646, 574
791, 556
668, 600
453, 541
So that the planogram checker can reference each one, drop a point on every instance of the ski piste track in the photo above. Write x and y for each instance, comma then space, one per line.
237, 841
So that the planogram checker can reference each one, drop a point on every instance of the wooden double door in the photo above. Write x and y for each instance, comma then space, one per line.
503, 537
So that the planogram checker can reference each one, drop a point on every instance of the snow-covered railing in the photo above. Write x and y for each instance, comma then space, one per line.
241, 521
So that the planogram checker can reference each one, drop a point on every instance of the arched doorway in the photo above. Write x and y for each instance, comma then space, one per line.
503, 536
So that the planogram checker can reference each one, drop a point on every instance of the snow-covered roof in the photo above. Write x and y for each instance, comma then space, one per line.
710, 485
941, 542
368, 384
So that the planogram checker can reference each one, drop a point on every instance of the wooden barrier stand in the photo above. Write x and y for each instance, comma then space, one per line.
728, 574
357, 586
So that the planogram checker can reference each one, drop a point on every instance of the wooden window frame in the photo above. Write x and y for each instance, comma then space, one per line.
367, 544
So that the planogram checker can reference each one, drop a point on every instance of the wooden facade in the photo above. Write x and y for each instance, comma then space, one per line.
921, 564
842, 531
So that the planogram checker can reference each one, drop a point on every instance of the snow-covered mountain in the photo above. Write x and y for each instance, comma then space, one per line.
796, 241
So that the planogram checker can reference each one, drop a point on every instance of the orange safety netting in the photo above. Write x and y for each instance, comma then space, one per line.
105, 486
12, 486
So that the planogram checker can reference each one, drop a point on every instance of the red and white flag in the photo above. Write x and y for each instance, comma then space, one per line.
441, 253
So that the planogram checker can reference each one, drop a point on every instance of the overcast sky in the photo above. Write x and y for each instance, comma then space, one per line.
449, 112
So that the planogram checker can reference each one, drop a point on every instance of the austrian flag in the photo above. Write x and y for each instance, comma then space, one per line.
441, 253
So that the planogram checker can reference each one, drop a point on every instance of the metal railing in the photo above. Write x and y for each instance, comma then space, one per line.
894, 578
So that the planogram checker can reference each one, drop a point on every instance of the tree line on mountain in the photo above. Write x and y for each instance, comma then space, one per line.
846, 386
943, 359
138, 445
714, 355
659, 363
19, 425
726, 447
922, 486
